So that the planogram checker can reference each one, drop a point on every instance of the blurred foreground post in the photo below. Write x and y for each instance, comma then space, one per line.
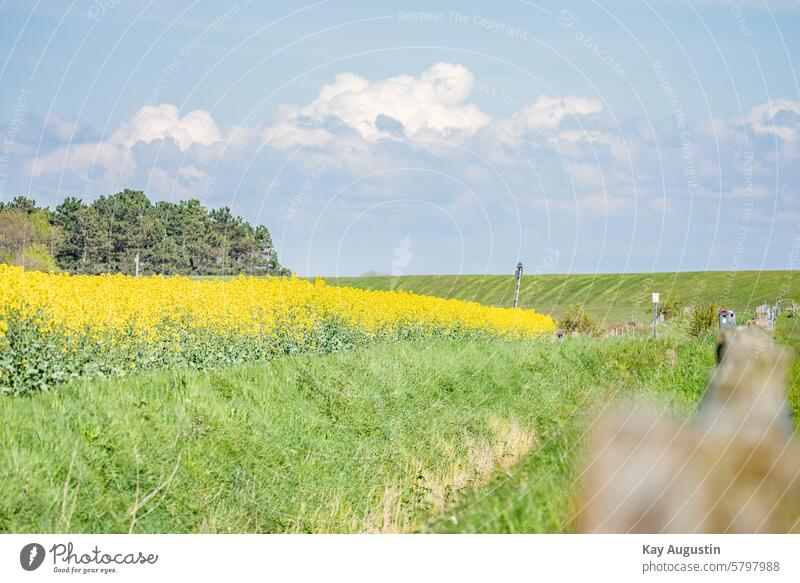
732, 468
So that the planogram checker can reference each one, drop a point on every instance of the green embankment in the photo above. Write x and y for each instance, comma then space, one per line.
611, 298
386, 438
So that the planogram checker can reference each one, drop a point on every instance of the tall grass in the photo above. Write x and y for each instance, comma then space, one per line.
464, 435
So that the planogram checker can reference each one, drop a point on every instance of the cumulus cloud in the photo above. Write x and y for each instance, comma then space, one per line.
548, 112
150, 123
577, 140
350, 111
162, 122
293, 129
432, 105
81, 158
59, 128
780, 117
560, 149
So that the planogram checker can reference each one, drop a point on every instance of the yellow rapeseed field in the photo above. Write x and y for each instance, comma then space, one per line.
248, 306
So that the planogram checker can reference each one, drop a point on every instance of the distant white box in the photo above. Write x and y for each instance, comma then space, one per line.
655, 297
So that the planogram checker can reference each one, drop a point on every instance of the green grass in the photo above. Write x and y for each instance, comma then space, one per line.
411, 436
415, 436
787, 332
611, 298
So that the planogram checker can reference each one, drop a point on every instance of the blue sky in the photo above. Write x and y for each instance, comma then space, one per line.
425, 137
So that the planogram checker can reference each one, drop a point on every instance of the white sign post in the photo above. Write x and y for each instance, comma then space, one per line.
655, 312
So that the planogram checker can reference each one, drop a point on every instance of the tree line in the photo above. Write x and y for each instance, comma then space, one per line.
106, 235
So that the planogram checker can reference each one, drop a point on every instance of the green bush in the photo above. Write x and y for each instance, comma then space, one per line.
671, 308
576, 320
703, 319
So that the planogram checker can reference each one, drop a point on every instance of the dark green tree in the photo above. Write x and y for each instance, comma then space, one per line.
107, 235
67, 217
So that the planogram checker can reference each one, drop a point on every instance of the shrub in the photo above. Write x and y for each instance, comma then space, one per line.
704, 318
671, 308
577, 320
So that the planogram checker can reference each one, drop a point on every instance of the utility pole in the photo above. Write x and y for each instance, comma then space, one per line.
137, 265
518, 274
655, 312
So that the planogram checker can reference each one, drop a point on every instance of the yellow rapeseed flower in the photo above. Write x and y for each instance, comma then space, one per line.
95, 304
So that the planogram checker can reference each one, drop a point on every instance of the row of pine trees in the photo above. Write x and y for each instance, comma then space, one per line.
106, 235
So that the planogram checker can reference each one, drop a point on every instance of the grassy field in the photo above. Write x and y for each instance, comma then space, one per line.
611, 298
412, 436
417, 435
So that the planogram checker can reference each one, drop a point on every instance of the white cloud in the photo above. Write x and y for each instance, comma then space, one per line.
150, 123
433, 105
81, 158
558, 147
617, 148
292, 130
780, 118
191, 172
548, 112
161, 122
587, 175
59, 128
